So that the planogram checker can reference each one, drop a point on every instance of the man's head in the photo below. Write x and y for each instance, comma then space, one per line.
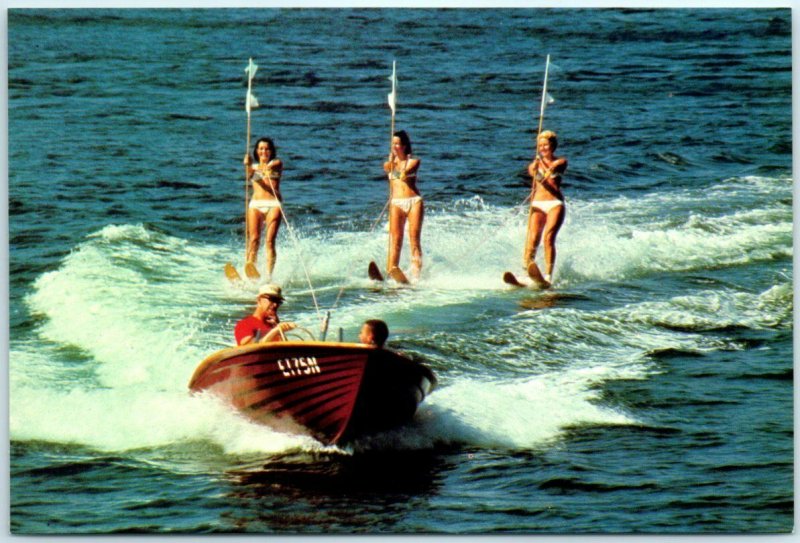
374, 332
270, 295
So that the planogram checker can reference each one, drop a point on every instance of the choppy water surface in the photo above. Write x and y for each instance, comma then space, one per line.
650, 391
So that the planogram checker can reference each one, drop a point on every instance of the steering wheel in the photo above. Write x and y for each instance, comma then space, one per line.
300, 333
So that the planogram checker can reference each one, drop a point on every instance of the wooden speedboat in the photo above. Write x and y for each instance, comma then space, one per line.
333, 392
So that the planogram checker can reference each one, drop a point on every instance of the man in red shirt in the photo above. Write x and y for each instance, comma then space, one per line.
263, 325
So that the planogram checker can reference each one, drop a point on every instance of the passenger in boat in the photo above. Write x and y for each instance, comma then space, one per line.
263, 325
265, 204
547, 209
374, 332
406, 203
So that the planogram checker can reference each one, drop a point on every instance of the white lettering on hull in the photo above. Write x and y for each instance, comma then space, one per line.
295, 367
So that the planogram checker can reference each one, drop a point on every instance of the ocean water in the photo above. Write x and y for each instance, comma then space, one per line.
649, 392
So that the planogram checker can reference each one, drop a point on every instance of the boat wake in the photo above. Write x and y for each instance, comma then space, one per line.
136, 309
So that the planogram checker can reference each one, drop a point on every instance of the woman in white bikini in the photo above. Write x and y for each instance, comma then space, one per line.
547, 209
265, 205
406, 202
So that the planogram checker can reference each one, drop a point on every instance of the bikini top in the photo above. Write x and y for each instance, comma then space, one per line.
543, 172
258, 175
556, 177
402, 175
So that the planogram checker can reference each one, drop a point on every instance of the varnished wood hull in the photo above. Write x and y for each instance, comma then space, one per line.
331, 391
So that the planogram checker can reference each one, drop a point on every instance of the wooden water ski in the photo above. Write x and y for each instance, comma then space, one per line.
251, 271
536, 276
231, 273
511, 279
398, 275
373, 272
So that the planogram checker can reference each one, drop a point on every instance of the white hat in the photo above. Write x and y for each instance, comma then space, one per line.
272, 292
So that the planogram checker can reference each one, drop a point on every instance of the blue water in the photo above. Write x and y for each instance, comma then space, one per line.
649, 392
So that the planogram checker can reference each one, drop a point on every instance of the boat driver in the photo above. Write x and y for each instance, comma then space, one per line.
263, 325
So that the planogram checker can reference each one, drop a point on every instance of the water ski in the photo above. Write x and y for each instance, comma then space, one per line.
373, 272
251, 271
511, 279
231, 273
398, 275
536, 276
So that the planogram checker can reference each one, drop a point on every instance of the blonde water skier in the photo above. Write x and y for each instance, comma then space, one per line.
547, 207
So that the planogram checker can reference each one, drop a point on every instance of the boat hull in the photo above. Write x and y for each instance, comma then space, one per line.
333, 392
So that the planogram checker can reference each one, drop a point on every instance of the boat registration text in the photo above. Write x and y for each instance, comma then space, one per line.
294, 367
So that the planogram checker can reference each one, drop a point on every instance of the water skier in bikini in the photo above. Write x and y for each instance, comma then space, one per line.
547, 209
406, 202
265, 205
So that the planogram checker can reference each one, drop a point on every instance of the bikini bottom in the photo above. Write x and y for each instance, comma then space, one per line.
406, 203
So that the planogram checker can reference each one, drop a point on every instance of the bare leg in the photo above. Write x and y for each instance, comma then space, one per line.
254, 223
274, 218
397, 224
536, 222
555, 218
415, 217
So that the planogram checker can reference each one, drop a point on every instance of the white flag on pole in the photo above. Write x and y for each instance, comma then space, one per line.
251, 70
251, 101
393, 94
